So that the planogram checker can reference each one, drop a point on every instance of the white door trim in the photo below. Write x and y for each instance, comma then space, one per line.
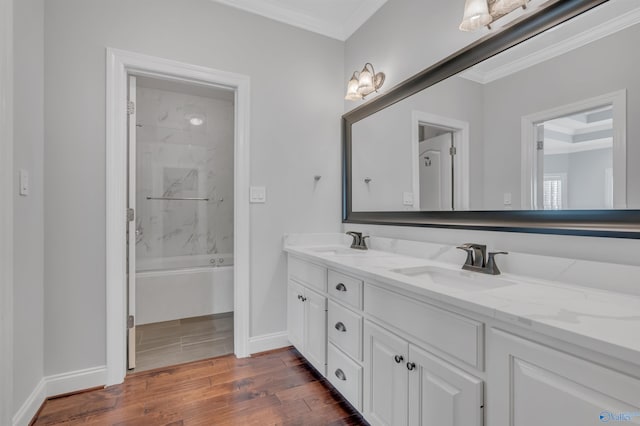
119, 64
528, 149
460, 131
6, 211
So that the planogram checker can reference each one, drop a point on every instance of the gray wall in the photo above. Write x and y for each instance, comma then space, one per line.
602, 67
28, 292
296, 85
405, 36
382, 144
587, 178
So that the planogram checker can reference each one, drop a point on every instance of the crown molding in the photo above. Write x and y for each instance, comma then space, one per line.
607, 28
337, 30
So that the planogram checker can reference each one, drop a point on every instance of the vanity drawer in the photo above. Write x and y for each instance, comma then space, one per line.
345, 375
345, 289
345, 330
308, 274
453, 334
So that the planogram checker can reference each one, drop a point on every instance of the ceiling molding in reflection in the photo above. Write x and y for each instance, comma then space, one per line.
581, 39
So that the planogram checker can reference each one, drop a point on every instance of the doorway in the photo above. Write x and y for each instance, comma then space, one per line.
180, 241
120, 66
440, 148
574, 156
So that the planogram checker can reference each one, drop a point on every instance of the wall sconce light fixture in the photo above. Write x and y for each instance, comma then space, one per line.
364, 83
480, 13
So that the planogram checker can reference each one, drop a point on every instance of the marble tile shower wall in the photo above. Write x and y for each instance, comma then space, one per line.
176, 159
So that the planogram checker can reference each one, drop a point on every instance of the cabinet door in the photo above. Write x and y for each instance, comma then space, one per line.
441, 394
385, 377
295, 315
533, 385
315, 330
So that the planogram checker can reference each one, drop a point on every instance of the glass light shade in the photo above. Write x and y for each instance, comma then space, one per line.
476, 15
365, 82
352, 89
502, 7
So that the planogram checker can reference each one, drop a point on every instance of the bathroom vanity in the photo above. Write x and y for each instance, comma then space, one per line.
410, 338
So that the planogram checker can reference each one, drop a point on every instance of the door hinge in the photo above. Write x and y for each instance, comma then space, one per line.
453, 151
131, 214
131, 107
540, 145
130, 321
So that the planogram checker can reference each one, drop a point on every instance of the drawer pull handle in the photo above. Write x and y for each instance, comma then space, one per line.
340, 374
398, 358
340, 327
411, 366
341, 287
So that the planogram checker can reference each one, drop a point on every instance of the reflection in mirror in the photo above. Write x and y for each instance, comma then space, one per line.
576, 156
541, 126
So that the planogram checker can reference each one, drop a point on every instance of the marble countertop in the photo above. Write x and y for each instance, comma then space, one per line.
603, 321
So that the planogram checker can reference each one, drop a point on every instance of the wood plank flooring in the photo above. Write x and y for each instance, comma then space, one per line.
184, 340
273, 388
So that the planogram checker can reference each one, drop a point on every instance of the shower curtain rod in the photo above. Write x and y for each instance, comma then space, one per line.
177, 199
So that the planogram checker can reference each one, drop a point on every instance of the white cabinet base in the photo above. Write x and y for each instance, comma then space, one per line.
534, 385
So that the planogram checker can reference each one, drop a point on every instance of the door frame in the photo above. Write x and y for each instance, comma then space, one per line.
119, 64
618, 100
460, 131
6, 211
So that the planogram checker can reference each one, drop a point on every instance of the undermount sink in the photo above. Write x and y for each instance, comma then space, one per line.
338, 251
462, 280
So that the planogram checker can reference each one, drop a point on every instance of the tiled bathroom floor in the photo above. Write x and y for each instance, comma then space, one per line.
175, 342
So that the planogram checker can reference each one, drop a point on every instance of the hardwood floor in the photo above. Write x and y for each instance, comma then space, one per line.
274, 388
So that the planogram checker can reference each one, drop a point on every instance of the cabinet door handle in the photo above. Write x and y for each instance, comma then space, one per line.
411, 366
341, 287
340, 327
340, 374
299, 297
304, 299
398, 358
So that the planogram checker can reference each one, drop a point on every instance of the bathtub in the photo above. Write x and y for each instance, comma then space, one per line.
184, 286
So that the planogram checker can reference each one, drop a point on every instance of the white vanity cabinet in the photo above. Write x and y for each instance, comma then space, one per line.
404, 384
402, 357
532, 385
344, 325
307, 311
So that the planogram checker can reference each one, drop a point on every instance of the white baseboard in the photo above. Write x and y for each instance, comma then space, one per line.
58, 384
74, 381
267, 342
31, 405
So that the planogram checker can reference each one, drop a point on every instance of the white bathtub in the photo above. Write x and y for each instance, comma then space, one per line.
183, 287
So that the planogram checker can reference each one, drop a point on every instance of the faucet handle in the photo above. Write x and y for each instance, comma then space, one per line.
469, 250
363, 242
492, 267
357, 238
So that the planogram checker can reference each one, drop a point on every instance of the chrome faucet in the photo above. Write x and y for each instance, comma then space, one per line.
476, 255
359, 241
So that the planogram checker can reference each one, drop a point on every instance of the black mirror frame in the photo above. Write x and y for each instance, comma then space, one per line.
596, 223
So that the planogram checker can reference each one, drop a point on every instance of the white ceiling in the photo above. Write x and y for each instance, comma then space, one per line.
333, 18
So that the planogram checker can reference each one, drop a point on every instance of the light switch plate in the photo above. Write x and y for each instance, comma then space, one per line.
257, 194
407, 198
507, 198
24, 182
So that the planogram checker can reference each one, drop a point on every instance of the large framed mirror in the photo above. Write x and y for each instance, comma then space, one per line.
533, 129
